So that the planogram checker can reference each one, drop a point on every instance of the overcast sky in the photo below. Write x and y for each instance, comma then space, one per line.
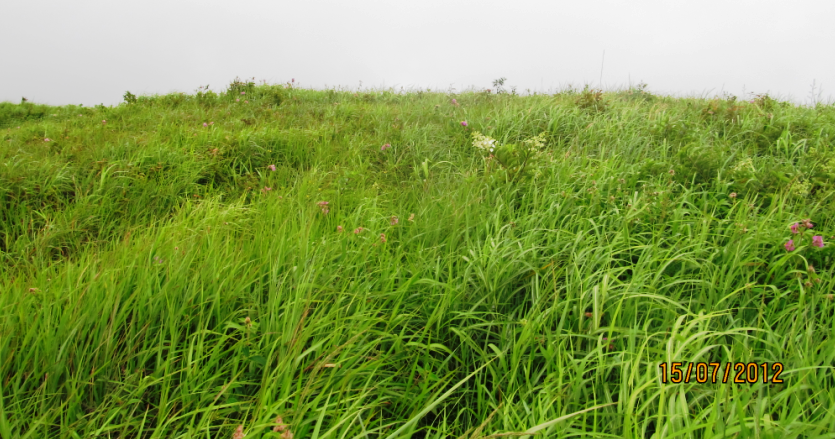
92, 51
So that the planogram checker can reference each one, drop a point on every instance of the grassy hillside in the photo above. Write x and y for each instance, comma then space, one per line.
383, 265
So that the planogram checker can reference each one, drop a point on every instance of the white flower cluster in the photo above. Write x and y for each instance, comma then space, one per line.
481, 141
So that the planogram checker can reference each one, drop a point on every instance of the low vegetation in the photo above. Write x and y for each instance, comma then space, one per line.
271, 261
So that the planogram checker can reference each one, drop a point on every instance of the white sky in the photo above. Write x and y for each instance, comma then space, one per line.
92, 51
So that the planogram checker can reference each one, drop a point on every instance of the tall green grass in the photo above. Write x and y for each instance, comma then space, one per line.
160, 280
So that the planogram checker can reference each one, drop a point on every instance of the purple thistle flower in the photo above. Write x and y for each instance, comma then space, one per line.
205, 125
789, 245
817, 241
464, 123
271, 167
794, 228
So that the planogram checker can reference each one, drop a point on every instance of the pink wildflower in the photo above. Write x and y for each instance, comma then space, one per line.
464, 123
104, 122
280, 425
322, 203
243, 92
382, 237
732, 195
789, 245
385, 147
239, 433
246, 102
817, 241
357, 230
339, 229
412, 217
292, 79
271, 167
808, 223
266, 189
794, 228
454, 102
205, 125
394, 220
47, 139
211, 123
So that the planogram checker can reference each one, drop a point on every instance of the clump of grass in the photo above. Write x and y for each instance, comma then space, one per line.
182, 264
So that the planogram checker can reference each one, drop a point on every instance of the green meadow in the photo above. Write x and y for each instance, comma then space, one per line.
270, 261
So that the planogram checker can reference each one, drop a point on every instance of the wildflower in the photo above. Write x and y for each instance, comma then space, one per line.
280, 425
394, 220
271, 167
287, 435
789, 245
454, 102
464, 123
239, 433
47, 139
808, 223
811, 269
794, 228
246, 102
33, 290
817, 241
104, 122
322, 203
732, 195
412, 217
589, 315
385, 147
339, 229
357, 230
483, 142
243, 92
671, 172
237, 100
211, 123
248, 322
382, 237
266, 189
292, 79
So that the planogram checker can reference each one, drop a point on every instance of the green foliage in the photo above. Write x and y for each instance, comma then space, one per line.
351, 263
130, 98
591, 100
